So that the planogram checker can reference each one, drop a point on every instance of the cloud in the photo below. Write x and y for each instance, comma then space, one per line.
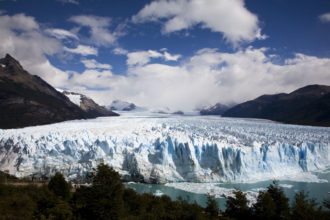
22, 37
61, 34
91, 79
144, 57
207, 77
119, 51
325, 17
229, 17
82, 50
99, 29
211, 76
93, 64
75, 2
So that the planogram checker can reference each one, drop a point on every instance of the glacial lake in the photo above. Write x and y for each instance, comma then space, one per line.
316, 190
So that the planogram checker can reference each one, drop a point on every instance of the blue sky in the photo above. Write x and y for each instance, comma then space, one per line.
180, 54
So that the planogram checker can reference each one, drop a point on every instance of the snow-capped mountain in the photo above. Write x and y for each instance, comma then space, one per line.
217, 109
118, 105
168, 149
88, 105
27, 100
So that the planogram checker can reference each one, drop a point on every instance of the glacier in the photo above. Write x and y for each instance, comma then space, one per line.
163, 149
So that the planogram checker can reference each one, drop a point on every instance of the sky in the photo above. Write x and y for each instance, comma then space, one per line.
176, 54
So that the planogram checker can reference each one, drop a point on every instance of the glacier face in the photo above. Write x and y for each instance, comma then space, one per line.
168, 149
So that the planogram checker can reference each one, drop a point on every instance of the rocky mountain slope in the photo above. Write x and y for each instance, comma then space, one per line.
27, 100
88, 105
309, 105
217, 109
118, 105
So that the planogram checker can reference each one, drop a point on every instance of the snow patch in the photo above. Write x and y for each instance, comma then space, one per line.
74, 98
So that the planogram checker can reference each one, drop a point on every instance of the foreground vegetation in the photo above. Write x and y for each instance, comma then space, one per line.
107, 198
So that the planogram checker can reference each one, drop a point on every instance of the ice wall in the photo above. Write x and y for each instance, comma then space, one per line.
196, 149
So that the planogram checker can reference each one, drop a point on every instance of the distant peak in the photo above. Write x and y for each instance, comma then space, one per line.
11, 62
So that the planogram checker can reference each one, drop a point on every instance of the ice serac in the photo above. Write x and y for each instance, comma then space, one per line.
172, 149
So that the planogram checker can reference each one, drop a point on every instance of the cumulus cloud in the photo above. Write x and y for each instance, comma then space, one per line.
325, 17
93, 64
99, 28
83, 50
21, 37
144, 57
229, 17
61, 34
207, 77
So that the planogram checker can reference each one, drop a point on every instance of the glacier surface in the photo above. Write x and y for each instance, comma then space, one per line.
162, 149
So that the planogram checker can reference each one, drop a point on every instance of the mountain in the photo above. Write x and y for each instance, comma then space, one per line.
88, 105
217, 109
309, 105
27, 100
118, 105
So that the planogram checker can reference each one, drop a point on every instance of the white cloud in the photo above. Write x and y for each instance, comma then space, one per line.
83, 50
61, 33
75, 2
325, 17
93, 64
229, 17
21, 37
99, 28
211, 76
170, 57
144, 57
91, 79
119, 51
207, 77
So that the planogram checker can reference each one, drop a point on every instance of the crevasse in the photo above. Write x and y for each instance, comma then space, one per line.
154, 149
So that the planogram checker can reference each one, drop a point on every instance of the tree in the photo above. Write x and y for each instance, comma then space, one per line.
265, 207
212, 207
59, 186
104, 199
326, 203
272, 204
237, 206
280, 200
304, 208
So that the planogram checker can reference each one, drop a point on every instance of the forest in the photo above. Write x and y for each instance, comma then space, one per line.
108, 198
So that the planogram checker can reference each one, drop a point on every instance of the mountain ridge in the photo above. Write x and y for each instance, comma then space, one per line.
309, 105
28, 100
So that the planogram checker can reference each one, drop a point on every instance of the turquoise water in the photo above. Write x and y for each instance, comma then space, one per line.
318, 191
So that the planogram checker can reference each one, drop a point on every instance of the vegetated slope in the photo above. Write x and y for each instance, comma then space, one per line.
309, 105
27, 100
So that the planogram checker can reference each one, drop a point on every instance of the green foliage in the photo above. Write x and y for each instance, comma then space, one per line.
104, 199
237, 206
265, 207
107, 198
280, 200
304, 208
272, 204
212, 207
59, 186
